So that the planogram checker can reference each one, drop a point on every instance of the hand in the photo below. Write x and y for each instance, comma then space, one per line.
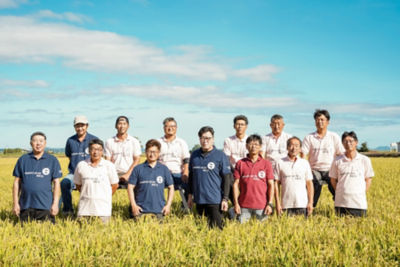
16, 209
136, 210
310, 209
166, 210
185, 178
224, 205
54, 209
237, 209
279, 210
190, 201
124, 178
268, 210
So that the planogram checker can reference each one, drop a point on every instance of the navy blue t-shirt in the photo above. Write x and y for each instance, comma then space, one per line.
206, 173
149, 186
77, 151
36, 180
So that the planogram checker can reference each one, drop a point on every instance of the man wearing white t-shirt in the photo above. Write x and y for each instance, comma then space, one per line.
293, 174
175, 155
321, 146
123, 150
96, 179
274, 145
351, 176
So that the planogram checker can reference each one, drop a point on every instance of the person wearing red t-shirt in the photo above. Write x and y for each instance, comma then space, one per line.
253, 189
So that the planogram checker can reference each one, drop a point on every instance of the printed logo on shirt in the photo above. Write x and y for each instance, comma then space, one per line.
261, 174
46, 171
159, 179
87, 151
211, 165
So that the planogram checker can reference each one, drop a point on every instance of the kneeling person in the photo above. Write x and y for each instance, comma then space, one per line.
96, 179
147, 182
294, 176
254, 179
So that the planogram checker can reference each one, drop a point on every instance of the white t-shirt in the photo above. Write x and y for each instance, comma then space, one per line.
275, 148
96, 192
322, 151
235, 149
351, 185
173, 153
293, 176
121, 152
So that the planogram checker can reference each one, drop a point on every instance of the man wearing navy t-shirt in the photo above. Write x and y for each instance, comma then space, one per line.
147, 182
76, 149
209, 179
34, 174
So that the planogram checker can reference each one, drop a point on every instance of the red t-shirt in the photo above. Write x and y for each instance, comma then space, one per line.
253, 182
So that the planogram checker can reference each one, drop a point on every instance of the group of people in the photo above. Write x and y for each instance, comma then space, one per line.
251, 172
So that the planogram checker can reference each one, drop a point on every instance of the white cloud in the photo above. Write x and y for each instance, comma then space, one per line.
20, 83
67, 16
27, 39
11, 3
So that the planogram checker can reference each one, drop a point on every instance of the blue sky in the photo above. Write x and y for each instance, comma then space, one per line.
202, 62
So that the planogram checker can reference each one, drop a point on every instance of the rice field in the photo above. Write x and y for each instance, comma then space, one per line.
323, 239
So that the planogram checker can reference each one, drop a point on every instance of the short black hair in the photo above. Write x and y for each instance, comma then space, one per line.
292, 138
38, 133
121, 117
96, 141
153, 142
351, 134
205, 129
276, 117
254, 137
240, 117
319, 112
168, 119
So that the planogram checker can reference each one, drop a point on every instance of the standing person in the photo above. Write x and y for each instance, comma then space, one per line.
209, 179
235, 149
254, 178
175, 155
76, 149
96, 179
351, 176
123, 150
147, 183
35, 173
321, 146
294, 176
275, 143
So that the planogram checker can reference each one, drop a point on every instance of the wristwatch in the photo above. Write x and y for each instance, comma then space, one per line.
271, 205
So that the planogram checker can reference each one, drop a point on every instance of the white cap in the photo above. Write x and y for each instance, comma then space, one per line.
80, 119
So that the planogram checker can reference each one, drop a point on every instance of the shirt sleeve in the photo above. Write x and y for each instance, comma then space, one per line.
339, 149
309, 175
369, 172
57, 173
134, 176
77, 174
18, 169
107, 149
137, 151
264, 144
305, 148
277, 170
168, 177
268, 170
236, 172
227, 148
333, 172
68, 149
185, 150
112, 174
225, 166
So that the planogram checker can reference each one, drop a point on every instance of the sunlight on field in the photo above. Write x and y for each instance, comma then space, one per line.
186, 240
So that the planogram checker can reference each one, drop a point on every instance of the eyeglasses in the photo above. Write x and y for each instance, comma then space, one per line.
204, 138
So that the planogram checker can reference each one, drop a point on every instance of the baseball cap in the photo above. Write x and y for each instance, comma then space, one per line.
80, 119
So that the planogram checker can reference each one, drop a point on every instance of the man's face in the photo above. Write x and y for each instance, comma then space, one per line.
170, 128
207, 141
122, 126
152, 154
277, 127
349, 144
254, 147
81, 129
294, 148
321, 122
38, 143
96, 152
240, 127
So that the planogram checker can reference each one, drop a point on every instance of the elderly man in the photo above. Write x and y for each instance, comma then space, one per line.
351, 176
147, 183
209, 179
76, 149
35, 173
97, 180
321, 146
293, 174
254, 179
123, 150
175, 155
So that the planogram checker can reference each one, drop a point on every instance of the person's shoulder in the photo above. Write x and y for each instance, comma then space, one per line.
110, 140
287, 135
196, 152
25, 157
72, 138
180, 140
333, 134
91, 136
50, 156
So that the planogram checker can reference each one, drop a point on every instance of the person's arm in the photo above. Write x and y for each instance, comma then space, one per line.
270, 196
310, 195
185, 170
167, 208
333, 183
277, 197
114, 188
368, 182
227, 182
190, 188
16, 186
78, 187
131, 195
56, 197
236, 196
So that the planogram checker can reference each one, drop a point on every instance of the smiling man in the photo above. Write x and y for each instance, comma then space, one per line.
34, 174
